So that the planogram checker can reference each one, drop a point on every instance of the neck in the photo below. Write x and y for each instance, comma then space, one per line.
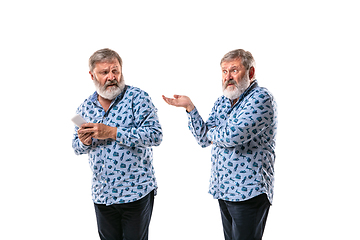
234, 101
105, 103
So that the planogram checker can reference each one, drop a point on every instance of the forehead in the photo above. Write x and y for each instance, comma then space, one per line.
232, 63
113, 63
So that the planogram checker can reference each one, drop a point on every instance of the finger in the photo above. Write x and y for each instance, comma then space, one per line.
87, 140
87, 137
168, 100
165, 98
87, 125
87, 130
83, 136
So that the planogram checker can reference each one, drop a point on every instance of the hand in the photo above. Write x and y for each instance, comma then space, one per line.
97, 130
85, 138
180, 101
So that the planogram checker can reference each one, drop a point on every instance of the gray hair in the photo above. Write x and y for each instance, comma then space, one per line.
246, 58
103, 55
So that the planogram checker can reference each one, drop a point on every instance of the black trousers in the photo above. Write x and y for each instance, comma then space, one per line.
244, 220
128, 221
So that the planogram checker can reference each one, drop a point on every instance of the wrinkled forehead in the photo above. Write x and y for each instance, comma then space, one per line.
108, 63
111, 61
232, 63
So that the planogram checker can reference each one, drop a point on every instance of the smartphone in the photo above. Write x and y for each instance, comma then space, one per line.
78, 120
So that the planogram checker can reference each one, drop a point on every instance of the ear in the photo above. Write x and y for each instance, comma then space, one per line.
251, 73
92, 76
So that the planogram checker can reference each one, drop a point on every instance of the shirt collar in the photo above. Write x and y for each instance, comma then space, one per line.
253, 85
94, 97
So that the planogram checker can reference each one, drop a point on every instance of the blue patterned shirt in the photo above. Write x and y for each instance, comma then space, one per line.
243, 144
122, 168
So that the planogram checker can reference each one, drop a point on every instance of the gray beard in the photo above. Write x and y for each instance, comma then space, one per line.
234, 93
111, 92
237, 89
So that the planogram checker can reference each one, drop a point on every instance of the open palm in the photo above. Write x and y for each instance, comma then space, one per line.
180, 101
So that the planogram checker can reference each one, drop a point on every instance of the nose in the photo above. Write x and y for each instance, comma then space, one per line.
111, 76
227, 76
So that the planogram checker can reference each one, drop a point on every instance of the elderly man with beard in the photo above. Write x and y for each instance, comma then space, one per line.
241, 129
122, 126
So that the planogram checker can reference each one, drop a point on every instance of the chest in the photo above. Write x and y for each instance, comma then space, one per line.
224, 111
120, 115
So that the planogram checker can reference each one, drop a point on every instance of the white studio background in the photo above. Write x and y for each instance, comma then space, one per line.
307, 56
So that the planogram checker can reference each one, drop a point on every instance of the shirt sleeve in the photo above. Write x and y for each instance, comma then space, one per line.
147, 132
78, 146
246, 123
199, 128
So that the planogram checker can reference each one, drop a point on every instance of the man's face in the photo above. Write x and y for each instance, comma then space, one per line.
235, 78
108, 80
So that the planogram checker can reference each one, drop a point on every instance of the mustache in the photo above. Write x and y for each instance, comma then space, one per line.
111, 82
230, 81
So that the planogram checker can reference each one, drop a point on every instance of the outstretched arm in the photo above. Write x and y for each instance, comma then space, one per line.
197, 126
180, 101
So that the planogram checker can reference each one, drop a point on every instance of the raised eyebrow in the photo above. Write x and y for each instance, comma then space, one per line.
104, 69
231, 68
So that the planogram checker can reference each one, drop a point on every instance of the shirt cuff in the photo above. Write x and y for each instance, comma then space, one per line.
193, 112
83, 146
120, 136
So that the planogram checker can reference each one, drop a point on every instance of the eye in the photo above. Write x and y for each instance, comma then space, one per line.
235, 71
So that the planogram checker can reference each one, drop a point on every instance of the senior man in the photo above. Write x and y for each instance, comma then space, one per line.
241, 129
122, 126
